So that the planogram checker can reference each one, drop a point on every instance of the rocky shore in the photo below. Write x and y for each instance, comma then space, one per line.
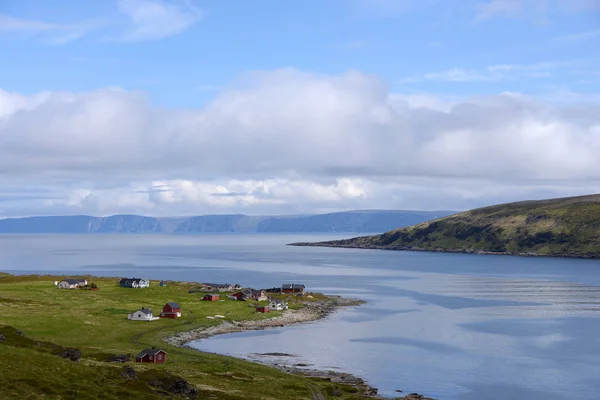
312, 311
439, 250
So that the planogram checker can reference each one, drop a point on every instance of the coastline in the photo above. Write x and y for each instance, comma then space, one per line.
451, 251
312, 311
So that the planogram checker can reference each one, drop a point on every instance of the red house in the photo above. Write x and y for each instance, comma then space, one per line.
262, 309
211, 297
171, 310
152, 355
239, 295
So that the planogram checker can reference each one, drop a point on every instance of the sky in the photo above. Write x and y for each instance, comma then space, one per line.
190, 107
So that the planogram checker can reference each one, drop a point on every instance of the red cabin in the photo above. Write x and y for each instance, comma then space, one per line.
171, 310
152, 355
239, 295
262, 309
211, 297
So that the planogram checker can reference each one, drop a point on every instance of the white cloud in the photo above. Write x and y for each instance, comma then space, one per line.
456, 75
536, 10
156, 19
389, 8
51, 33
291, 141
494, 8
580, 36
500, 72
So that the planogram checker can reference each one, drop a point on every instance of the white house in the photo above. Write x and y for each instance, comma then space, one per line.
278, 305
134, 283
143, 314
72, 283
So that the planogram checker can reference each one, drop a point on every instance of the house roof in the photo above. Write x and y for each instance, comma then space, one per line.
211, 295
73, 281
292, 286
259, 291
150, 352
133, 279
146, 311
174, 304
276, 301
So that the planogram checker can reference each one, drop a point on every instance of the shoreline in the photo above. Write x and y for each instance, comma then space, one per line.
450, 251
312, 311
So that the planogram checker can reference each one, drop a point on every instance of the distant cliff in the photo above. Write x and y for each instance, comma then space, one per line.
350, 221
566, 227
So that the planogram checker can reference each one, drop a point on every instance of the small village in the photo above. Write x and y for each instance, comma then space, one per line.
262, 300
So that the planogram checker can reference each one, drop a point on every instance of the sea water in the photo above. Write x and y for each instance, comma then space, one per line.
450, 326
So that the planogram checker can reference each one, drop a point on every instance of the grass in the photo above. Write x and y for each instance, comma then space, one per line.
95, 322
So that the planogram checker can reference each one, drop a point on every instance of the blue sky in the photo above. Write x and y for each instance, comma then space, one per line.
530, 64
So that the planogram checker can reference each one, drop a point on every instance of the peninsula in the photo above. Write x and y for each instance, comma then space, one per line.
564, 227
90, 337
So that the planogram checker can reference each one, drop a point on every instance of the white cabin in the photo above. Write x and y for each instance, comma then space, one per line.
143, 314
134, 283
278, 305
72, 283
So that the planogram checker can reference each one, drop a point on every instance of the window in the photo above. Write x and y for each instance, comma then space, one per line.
159, 357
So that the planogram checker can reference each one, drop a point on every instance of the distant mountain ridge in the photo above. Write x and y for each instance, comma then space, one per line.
347, 221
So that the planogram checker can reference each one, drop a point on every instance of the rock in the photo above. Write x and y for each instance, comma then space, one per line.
70, 354
19, 332
336, 393
416, 396
119, 358
175, 385
2, 337
129, 373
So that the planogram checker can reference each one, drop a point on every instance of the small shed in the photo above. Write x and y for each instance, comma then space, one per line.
153, 355
262, 309
211, 297
171, 310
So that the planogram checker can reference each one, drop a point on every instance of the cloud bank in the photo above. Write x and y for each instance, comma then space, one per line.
289, 141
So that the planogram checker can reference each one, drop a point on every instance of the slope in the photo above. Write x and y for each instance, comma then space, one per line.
565, 227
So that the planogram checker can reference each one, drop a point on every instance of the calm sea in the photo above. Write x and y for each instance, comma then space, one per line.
448, 325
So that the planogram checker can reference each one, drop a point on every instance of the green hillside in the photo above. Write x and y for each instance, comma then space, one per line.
566, 227
70, 344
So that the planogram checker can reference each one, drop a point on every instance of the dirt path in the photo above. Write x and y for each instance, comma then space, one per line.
316, 392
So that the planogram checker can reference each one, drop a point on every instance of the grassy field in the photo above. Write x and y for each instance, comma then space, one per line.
568, 227
95, 323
